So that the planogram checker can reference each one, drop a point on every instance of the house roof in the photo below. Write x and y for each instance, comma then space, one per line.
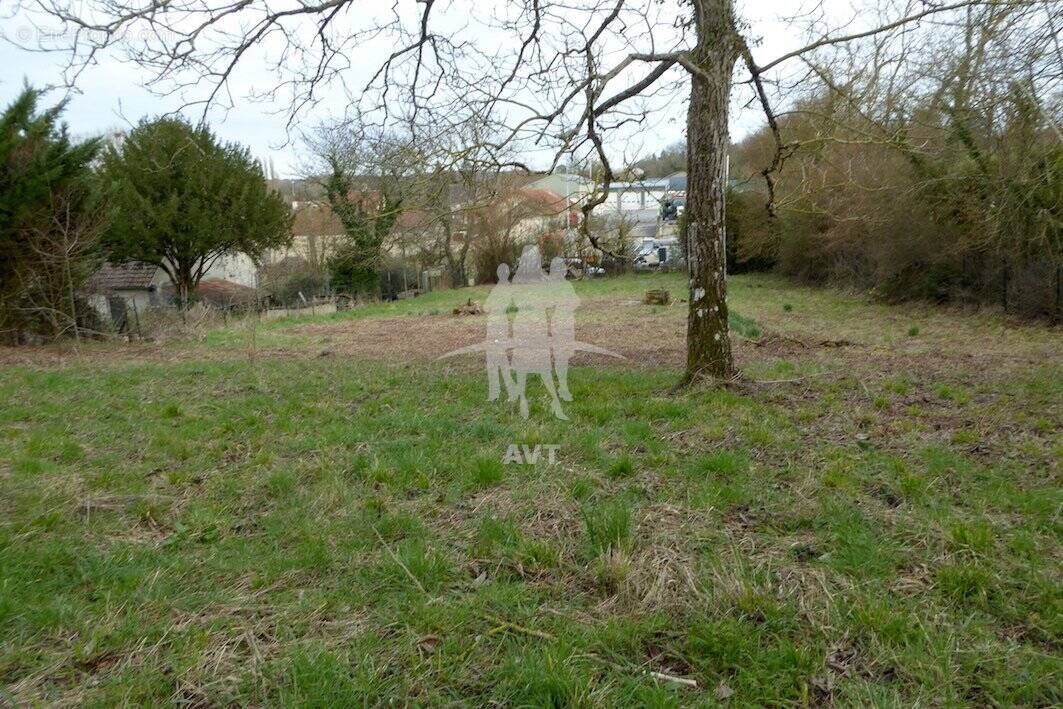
131, 275
557, 181
414, 219
220, 292
315, 219
544, 200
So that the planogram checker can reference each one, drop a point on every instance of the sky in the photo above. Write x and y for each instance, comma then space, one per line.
112, 94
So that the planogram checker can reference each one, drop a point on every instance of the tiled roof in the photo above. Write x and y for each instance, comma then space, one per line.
414, 219
316, 219
220, 292
132, 275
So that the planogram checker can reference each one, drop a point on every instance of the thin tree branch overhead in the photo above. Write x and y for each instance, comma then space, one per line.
550, 81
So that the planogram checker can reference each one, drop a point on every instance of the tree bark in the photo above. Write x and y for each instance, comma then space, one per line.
70, 291
708, 342
183, 285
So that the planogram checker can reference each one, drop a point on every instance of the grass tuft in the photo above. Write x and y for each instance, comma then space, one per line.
622, 467
720, 463
608, 525
746, 327
485, 472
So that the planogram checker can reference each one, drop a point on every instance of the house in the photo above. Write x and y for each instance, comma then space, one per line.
649, 193
316, 233
116, 289
572, 186
531, 211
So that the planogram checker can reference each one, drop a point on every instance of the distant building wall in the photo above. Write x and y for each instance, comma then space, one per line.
562, 184
625, 197
237, 268
314, 248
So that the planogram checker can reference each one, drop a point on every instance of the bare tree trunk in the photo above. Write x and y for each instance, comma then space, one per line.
183, 287
708, 343
70, 292
455, 267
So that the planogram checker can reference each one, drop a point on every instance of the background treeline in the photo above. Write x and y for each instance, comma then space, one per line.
942, 182
166, 193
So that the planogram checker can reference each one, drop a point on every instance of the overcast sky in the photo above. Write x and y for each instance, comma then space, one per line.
113, 94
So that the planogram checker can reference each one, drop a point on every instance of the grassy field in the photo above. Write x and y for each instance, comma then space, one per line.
870, 515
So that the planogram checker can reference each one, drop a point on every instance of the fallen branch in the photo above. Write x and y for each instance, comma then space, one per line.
683, 681
503, 625
398, 561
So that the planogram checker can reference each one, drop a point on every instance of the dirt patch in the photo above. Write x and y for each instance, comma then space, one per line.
422, 338
412, 338
646, 336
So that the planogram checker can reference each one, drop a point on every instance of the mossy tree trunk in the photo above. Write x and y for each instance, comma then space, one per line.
708, 342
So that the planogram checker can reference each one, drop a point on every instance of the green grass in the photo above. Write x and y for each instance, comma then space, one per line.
746, 327
608, 526
327, 532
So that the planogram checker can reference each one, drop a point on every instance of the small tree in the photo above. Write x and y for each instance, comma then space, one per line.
367, 176
183, 200
515, 217
367, 220
48, 224
64, 253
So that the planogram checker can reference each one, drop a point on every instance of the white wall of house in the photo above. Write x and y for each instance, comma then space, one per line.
574, 186
531, 228
313, 248
236, 268
625, 198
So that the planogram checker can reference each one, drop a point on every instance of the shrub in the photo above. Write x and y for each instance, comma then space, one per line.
291, 277
964, 205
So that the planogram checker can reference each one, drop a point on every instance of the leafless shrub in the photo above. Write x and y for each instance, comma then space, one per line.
164, 324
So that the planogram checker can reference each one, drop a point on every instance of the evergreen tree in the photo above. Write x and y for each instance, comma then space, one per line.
41, 171
183, 200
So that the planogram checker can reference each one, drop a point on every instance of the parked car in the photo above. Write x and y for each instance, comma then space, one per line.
651, 254
673, 208
578, 268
